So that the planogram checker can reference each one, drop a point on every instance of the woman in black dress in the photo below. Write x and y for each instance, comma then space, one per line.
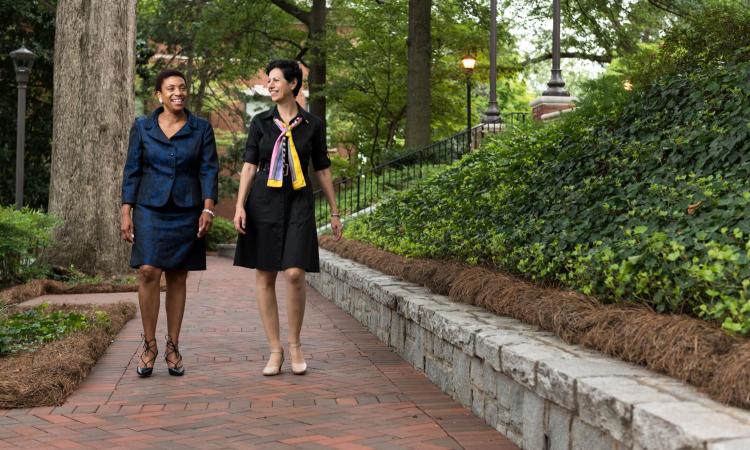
275, 222
170, 185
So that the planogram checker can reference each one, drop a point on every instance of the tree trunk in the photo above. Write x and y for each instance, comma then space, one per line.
92, 114
315, 20
316, 78
418, 97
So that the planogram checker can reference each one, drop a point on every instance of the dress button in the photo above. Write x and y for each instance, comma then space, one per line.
171, 154
171, 177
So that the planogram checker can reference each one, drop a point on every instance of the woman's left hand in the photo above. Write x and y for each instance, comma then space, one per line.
337, 227
204, 224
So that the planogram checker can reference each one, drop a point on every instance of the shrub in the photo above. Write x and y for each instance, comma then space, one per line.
222, 232
24, 234
26, 330
716, 32
640, 196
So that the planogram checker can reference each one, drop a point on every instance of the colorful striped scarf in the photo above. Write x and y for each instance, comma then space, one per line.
276, 172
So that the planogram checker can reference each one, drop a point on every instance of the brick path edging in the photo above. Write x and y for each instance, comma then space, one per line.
531, 386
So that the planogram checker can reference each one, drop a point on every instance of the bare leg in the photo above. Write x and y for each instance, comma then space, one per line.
269, 312
295, 304
148, 299
175, 306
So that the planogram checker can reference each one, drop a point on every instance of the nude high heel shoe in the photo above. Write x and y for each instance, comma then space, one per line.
270, 370
298, 369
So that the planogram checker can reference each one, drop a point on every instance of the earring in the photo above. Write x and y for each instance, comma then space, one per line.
161, 102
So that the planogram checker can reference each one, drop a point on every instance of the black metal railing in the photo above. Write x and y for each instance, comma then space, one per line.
359, 192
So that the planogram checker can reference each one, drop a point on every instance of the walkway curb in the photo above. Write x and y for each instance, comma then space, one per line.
531, 386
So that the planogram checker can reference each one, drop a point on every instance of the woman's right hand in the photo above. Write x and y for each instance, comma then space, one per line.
126, 225
239, 220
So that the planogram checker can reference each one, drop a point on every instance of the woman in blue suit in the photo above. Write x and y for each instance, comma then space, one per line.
170, 187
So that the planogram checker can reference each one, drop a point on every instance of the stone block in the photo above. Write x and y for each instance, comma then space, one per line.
440, 373
607, 403
504, 391
490, 414
519, 361
409, 307
456, 327
413, 347
489, 342
516, 395
442, 349
461, 377
533, 422
383, 295
559, 421
427, 341
585, 437
477, 372
478, 400
397, 333
556, 378
488, 382
682, 425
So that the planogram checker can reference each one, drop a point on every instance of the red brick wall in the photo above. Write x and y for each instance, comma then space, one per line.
544, 108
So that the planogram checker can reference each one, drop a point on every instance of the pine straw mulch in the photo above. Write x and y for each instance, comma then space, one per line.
686, 348
47, 376
35, 288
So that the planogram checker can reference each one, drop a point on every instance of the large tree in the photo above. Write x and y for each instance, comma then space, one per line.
599, 30
367, 88
93, 110
315, 21
418, 95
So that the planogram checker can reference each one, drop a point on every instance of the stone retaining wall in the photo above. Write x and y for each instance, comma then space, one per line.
531, 386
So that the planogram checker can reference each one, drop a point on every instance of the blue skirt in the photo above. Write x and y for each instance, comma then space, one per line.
166, 237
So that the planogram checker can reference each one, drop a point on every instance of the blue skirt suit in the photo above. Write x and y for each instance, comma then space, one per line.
166, 181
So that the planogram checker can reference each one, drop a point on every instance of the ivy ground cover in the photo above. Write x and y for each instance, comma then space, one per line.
637, 196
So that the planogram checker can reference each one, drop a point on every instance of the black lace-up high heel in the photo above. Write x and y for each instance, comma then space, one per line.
177, 370
149, 346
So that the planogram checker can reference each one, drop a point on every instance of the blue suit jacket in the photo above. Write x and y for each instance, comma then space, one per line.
185, 166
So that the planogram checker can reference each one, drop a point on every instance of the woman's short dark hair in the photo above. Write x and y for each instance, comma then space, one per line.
290, 69
166, 73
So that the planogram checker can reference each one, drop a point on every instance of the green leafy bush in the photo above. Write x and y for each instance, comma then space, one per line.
638, 196
716, 32
24, 234
222, 232
27, 330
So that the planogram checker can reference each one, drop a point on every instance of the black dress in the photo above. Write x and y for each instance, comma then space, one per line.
280, 227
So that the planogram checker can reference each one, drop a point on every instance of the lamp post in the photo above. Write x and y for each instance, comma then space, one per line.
23, 61
468, 62
556, 84
492, 115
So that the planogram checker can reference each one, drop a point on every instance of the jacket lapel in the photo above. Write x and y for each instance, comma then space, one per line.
152, 127
192, 124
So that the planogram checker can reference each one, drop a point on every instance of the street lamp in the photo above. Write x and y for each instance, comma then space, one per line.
23, 61
469, 62
492, 115
556, 84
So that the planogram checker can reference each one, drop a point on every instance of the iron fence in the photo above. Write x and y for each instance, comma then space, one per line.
366, 188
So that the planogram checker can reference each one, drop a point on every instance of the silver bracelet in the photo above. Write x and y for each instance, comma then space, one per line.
210, 213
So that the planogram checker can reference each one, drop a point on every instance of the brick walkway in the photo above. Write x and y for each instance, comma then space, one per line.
357, 394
